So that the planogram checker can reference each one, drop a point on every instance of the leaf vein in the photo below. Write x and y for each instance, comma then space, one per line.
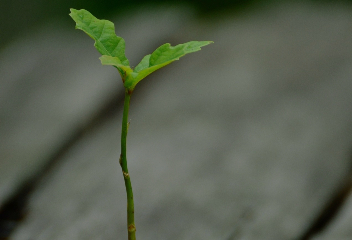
102, 30
118, 42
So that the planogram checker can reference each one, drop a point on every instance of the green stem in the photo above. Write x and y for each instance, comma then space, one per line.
123, 162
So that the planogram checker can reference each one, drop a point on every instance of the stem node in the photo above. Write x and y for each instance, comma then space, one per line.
126, 175
131, 228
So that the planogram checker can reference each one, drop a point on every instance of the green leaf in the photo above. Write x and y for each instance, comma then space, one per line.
162, 56
112, 48
103, 32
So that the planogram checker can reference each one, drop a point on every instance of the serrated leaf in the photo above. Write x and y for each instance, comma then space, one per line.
112, 48
162, 56
103, 32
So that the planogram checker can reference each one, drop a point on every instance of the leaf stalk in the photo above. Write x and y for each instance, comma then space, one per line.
123, 162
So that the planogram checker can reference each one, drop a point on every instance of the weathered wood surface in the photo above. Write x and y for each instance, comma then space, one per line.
247, 139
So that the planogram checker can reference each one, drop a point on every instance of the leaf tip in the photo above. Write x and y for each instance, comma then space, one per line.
207, 43
72, 11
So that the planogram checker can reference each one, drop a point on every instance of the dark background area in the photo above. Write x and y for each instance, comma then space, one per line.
21, 17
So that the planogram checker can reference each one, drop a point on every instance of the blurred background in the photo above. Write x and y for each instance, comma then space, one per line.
249, 138
18, 17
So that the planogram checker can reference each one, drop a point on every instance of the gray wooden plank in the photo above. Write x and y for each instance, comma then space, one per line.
247, 138
52, 84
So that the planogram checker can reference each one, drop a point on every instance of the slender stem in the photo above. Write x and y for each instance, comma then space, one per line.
123, 162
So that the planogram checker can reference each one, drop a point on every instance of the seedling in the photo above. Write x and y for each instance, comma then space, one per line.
112, 49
